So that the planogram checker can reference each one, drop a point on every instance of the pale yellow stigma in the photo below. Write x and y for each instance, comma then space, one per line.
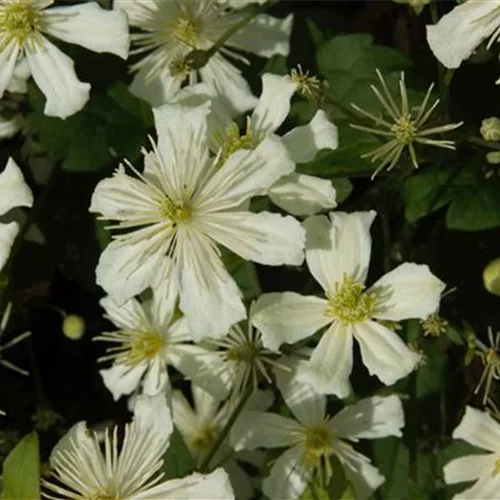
176, 212
404, 130
203, 440
349, 303
318, 449
186, 30
18, 21
180, 68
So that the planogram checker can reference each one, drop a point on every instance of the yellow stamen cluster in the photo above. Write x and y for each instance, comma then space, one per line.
405, 130
203, 440
179, 67
318, 449
176, 212
234, 141
308, 86
18, 21
349, 303
186, 30
434, 325
496, 469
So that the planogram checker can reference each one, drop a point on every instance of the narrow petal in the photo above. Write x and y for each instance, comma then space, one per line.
458, 33
213, 486
264, 35
370, 418
480, 429
307, 405
288, 317
302, 194
8, 59
303, 143
165, 297
184, 417
204, 403
364, 477
330, 364
122, 380
274, 103
156, 378
90, 26
156, 91
245, 174
53, 71
486, 488
409, 291
15, 191
468, 468
136, 10
127, 316
210, 298
288, 478
256, 429
266, 238
8, 233
384, 353
229, 83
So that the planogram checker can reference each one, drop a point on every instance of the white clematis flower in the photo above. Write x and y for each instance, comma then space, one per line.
296, 193
149, 338
458, 33
479, 429
23, 24
312, 438
173, 29
15, 193
182, 207
130, 471
338, 254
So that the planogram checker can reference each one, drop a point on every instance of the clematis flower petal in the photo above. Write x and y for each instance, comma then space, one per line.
122, 380
468, 468
8, 59
15, 191
480, 429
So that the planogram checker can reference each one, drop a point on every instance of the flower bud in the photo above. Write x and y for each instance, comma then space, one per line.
491, 277
73, 327
493, 158
490, 129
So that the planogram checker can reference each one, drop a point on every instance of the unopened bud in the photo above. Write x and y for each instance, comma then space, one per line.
490, 129
73, 327
493, 158
196, 59
491, 277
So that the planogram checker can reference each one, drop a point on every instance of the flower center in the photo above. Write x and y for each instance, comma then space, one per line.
203, 440
318, 450
175, 211
144, 346
404, 130
234, 141
349, 303
18, 21
186, 30
496, 469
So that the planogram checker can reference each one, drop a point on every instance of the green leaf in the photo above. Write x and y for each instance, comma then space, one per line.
392, 458
343, 187
21, 470
243, 272
177, 461
431, 375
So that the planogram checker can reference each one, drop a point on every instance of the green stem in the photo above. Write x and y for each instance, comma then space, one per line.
481, 142
225, 430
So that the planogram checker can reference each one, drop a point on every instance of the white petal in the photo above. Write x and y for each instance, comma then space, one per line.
53, 71
165, 296
125, 270
213, 486
303, 143
8, 58
274, 103
127, 316
184, 417
9, 128
330, 365
8, 233
384, 353
90, 26
288, 317
136, 10
15, 191
339, 246
288, 479
229, 83
302, 194
156, 378
204, 403
210, 298
370, 418
468, 468
264, 35
458, 33
156, 91
256, 429
486, 488
266, 238
245, 174
122, 380
409, 291
480, 429
182, 144
307, 405
364, 477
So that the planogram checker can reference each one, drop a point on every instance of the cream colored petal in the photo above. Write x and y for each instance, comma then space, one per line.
480, 429
184, 417
409, 291
469, 468
8, 233
53, 71
302, 194
15, 191
136, 10
156, 379
156, 91
122, 380
486, 488
127, 316
90, 26
8, 59
288, 317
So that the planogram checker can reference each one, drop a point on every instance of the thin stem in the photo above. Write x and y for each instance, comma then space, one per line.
225, 430
481, 142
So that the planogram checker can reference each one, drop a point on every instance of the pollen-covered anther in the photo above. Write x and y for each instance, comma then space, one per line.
186, 31
18, 21
176, 212
308, 86
318, 449
349, 303
234, 141
203, 440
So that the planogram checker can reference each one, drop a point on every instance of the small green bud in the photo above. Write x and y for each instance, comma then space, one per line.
73, 327
493, 158
490, 129
491, 277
